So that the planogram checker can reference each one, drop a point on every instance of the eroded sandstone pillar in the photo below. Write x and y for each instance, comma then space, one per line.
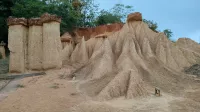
35, 46
17, 44
51, 41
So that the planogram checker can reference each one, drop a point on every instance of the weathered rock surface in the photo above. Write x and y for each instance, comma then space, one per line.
51, 42
134, 17
17, 39
131, 61
35, 44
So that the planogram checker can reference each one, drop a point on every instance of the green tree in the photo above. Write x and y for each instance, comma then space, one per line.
106, 17
35, 8
86, 15
168, 33
5, 11
72, 15
89, 12
121, 11
154, 26
118, 13
28, 8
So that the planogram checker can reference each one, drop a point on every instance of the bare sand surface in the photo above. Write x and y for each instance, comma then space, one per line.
55, 93
48, 93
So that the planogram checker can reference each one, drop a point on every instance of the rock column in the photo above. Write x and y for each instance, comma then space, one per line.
17, 44
35, 50
51, 41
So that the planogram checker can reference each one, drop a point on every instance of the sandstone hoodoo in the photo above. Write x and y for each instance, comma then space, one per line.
80, 53
65, 39
17, 39
131, 62
134, 17
51, 41
68, 46
35, 44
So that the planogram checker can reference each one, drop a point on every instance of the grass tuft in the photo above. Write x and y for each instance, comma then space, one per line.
55, 86
20, 86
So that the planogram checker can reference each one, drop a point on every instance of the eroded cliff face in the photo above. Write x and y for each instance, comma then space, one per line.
92, 32
132, 61
108, 29
88, 33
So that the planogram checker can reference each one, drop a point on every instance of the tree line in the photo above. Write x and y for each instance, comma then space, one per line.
74, 13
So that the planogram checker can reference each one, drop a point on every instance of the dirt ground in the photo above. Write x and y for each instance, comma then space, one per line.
3, 66
48, 93
55, 93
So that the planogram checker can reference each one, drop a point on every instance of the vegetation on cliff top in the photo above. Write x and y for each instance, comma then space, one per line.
82, 13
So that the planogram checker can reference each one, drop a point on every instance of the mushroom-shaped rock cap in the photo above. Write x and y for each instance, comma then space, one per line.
101, 36
45, 18
137, 16
16, 21
104, 35
66, 37
35, 21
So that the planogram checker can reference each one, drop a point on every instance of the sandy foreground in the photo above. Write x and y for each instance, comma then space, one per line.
54, 93
48, 93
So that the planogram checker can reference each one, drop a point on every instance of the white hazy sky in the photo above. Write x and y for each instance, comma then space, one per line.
181, 16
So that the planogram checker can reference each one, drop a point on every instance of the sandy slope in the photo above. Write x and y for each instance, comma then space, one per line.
55, 93
48, 93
